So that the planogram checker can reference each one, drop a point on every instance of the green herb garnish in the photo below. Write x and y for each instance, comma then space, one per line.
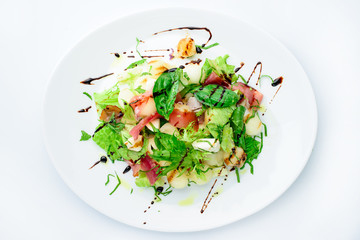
119, 182
84, 136
237, 174
87, 94
108, 178
207, 47
135, 64
137, 44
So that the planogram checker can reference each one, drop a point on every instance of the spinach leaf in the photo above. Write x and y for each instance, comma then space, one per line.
165, 90
237, 123
216, 96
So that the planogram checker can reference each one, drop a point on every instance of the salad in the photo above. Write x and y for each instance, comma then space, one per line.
179, 124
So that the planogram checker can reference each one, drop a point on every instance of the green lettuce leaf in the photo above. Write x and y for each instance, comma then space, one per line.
220, 67
227, 142
219, 116
112, 139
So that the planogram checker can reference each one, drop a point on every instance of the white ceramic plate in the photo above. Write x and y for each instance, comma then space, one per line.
291, 121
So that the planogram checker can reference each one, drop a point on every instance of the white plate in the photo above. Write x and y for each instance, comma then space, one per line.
291, 121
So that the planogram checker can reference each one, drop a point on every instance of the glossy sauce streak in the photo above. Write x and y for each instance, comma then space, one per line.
157, 50
238, 68
189, 28
84, 109
206, 203
259, 63
198, 61
89, 80
277, 81
275, 94
153, 56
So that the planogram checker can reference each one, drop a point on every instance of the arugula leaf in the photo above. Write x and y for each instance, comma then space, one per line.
135, 64
220, 67
207, 47
84, 136
216, 96
140, 90
87, 94
227, 142
165, 90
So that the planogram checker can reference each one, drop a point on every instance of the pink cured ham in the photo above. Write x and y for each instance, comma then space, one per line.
149, 166
135, 131
253, 96
213, 78
181, 119
139, 102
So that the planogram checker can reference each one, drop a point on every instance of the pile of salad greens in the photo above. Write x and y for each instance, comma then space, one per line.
179, 125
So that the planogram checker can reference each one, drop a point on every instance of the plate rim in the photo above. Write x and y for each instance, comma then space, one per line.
133, 13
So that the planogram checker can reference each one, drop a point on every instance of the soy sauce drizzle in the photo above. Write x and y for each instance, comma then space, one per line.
84, 109
238, 68
89, 80
259, 63
189, 28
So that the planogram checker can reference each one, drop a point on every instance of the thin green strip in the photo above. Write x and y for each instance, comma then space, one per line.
237, 174
108, 179
119, 182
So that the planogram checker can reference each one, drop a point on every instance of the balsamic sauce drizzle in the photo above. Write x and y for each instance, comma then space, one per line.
103, 159
189, 28
89, 80
151, 56
206, 203
277, 81
238, 68
257, 82
198, 61
84, 109
157, 50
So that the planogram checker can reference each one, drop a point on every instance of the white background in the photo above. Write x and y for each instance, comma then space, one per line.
324, 202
